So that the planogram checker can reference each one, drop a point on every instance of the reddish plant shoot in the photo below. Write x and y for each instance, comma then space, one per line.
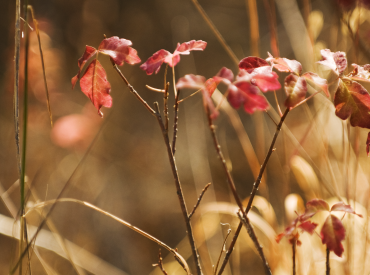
154, 63
94, 83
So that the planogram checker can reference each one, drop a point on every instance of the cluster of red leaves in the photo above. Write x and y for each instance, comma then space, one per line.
332, 232
154, 63
94, 83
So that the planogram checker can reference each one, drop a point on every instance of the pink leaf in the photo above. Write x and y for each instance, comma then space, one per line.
224, 74
368, 144
317, 205
285, 65
340, 206
352, 99
336, 61
265, 79
314, 80
89, 52
154, 63
308, 226
94, 85
119, 50
295, 88
332, 234
192, 45
251, 62
361, 73
243, 92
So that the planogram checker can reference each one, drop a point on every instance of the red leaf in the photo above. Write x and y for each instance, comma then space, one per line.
308, 226
154, 63
368, 144
89, 52
361, 73
340, 206
251, 62
265, 79
332, 233
119, 50
314, 80
94, 85
295, 88
352, 99
225, 75
243, 92
336, 61
285, 65
317, 205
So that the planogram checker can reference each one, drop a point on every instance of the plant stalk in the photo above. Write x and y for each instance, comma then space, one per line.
294, 246
180, 194
327, 261
254, 190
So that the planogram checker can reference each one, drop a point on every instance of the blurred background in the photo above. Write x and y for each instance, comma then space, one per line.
126, 171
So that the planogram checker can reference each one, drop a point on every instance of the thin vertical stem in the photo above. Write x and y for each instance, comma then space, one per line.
254, 190
17, 37
175, 123
294, 249
271, 17
165, 102
253, 25
327, 261
179, 189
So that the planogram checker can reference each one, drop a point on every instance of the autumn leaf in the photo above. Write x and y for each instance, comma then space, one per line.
265, 79
291, 231
285, 64
89, 52
154, 63
94, 85
361, 73
119, 50
295, 88
225, 75
352, 100
251, 62
332, 234
308, 226
340, 206
337, 61
315, 81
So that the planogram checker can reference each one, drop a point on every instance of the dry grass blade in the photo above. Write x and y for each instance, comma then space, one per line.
178, 257
42, 63
253, 24
17, 46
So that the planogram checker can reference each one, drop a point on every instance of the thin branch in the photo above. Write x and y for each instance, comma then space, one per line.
165, 109
132, 90
134, 228
229, 177
155, 89
294, 246
42, 63
189, 96
304, 100
271, 117
179, 190
254, 190
174, 80
199, 199
253, 236
222, 249
327, 261
277, 104
160, 263
216, 32
175, 122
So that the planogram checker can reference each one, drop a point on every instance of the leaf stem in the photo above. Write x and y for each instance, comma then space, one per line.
327, 261
254, 190
294, 246
179, 189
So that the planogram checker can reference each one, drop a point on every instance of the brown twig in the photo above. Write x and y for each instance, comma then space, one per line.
199, 199
229, 177
179, 189
254, 190
253, 236
294, 246
132, 90
165, 102
175, 122
160, 263
222, 249
327, 261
